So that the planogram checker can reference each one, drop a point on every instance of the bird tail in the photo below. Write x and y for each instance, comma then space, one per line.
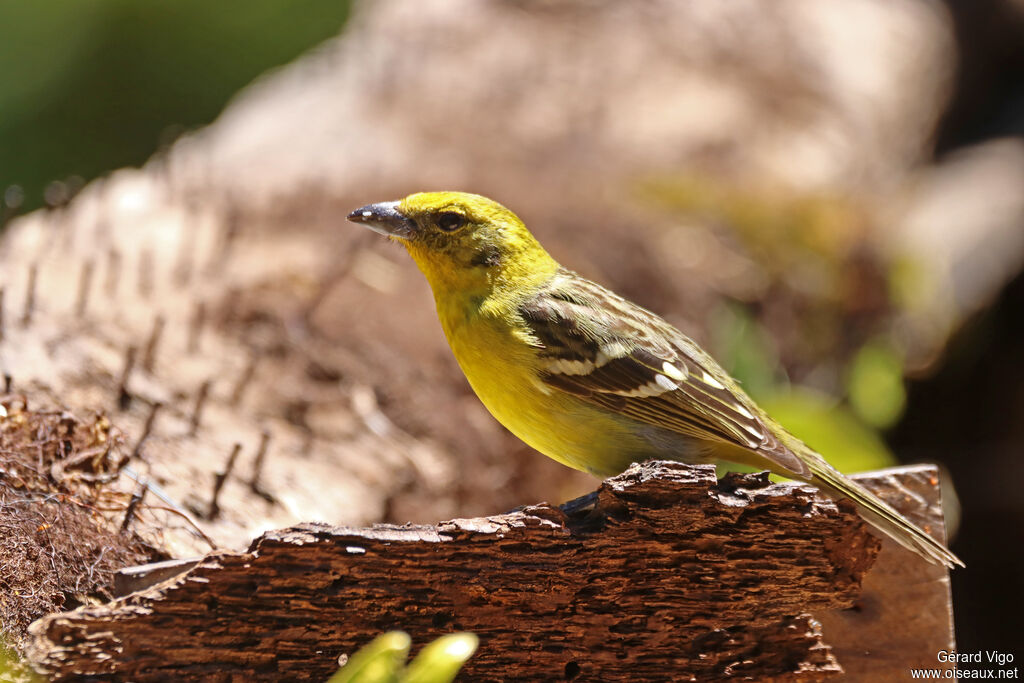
880, 514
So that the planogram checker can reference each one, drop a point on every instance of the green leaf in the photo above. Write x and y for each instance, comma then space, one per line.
440, 661
874, 384
382, 661
828, 427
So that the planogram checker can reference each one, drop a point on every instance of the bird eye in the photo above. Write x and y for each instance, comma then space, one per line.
449, 221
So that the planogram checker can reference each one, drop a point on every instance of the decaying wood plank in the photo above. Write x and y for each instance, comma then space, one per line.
663, 573
904, 615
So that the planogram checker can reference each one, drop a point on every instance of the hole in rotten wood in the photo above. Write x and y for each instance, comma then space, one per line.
628, 626
572, 670
319, 372
441, 619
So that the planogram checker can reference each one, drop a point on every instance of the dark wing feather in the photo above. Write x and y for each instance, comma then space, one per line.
612, 353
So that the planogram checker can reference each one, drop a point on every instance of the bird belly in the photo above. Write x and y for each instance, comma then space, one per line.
559, 425
575, 434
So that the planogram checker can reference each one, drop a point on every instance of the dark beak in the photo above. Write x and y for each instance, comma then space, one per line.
385, 219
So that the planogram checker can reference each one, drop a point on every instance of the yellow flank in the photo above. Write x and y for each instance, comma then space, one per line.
584, 376
572, 432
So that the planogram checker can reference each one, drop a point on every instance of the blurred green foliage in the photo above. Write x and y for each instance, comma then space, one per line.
874, 384
839, 293
838, 430
12, 667
88, 87
828, 426
745, 349
845, 432
383, 660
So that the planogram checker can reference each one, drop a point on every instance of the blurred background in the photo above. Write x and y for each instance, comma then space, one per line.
828, 196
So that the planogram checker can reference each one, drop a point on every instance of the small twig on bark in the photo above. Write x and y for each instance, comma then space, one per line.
197, 410
257, 468
149, 354
172, 506
244, 379
218, 482
124, 397
30, 295
147, 429
129, 512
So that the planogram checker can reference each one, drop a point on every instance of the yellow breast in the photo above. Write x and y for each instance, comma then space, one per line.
501, 367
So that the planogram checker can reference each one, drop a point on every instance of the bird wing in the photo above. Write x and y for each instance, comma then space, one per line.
612, 353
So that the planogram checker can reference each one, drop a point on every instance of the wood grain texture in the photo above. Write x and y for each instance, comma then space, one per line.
904, 615
663, 573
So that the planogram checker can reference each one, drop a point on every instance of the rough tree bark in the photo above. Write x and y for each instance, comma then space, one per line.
664, 572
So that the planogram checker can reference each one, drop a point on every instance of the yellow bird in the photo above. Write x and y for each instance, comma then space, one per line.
581, 374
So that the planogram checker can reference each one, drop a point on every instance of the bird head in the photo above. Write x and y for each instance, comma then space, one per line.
462, 242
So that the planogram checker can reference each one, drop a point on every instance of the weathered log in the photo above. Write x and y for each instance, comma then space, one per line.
904, 615
663, 573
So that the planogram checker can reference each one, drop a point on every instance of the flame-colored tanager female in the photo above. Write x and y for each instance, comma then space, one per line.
581, 374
